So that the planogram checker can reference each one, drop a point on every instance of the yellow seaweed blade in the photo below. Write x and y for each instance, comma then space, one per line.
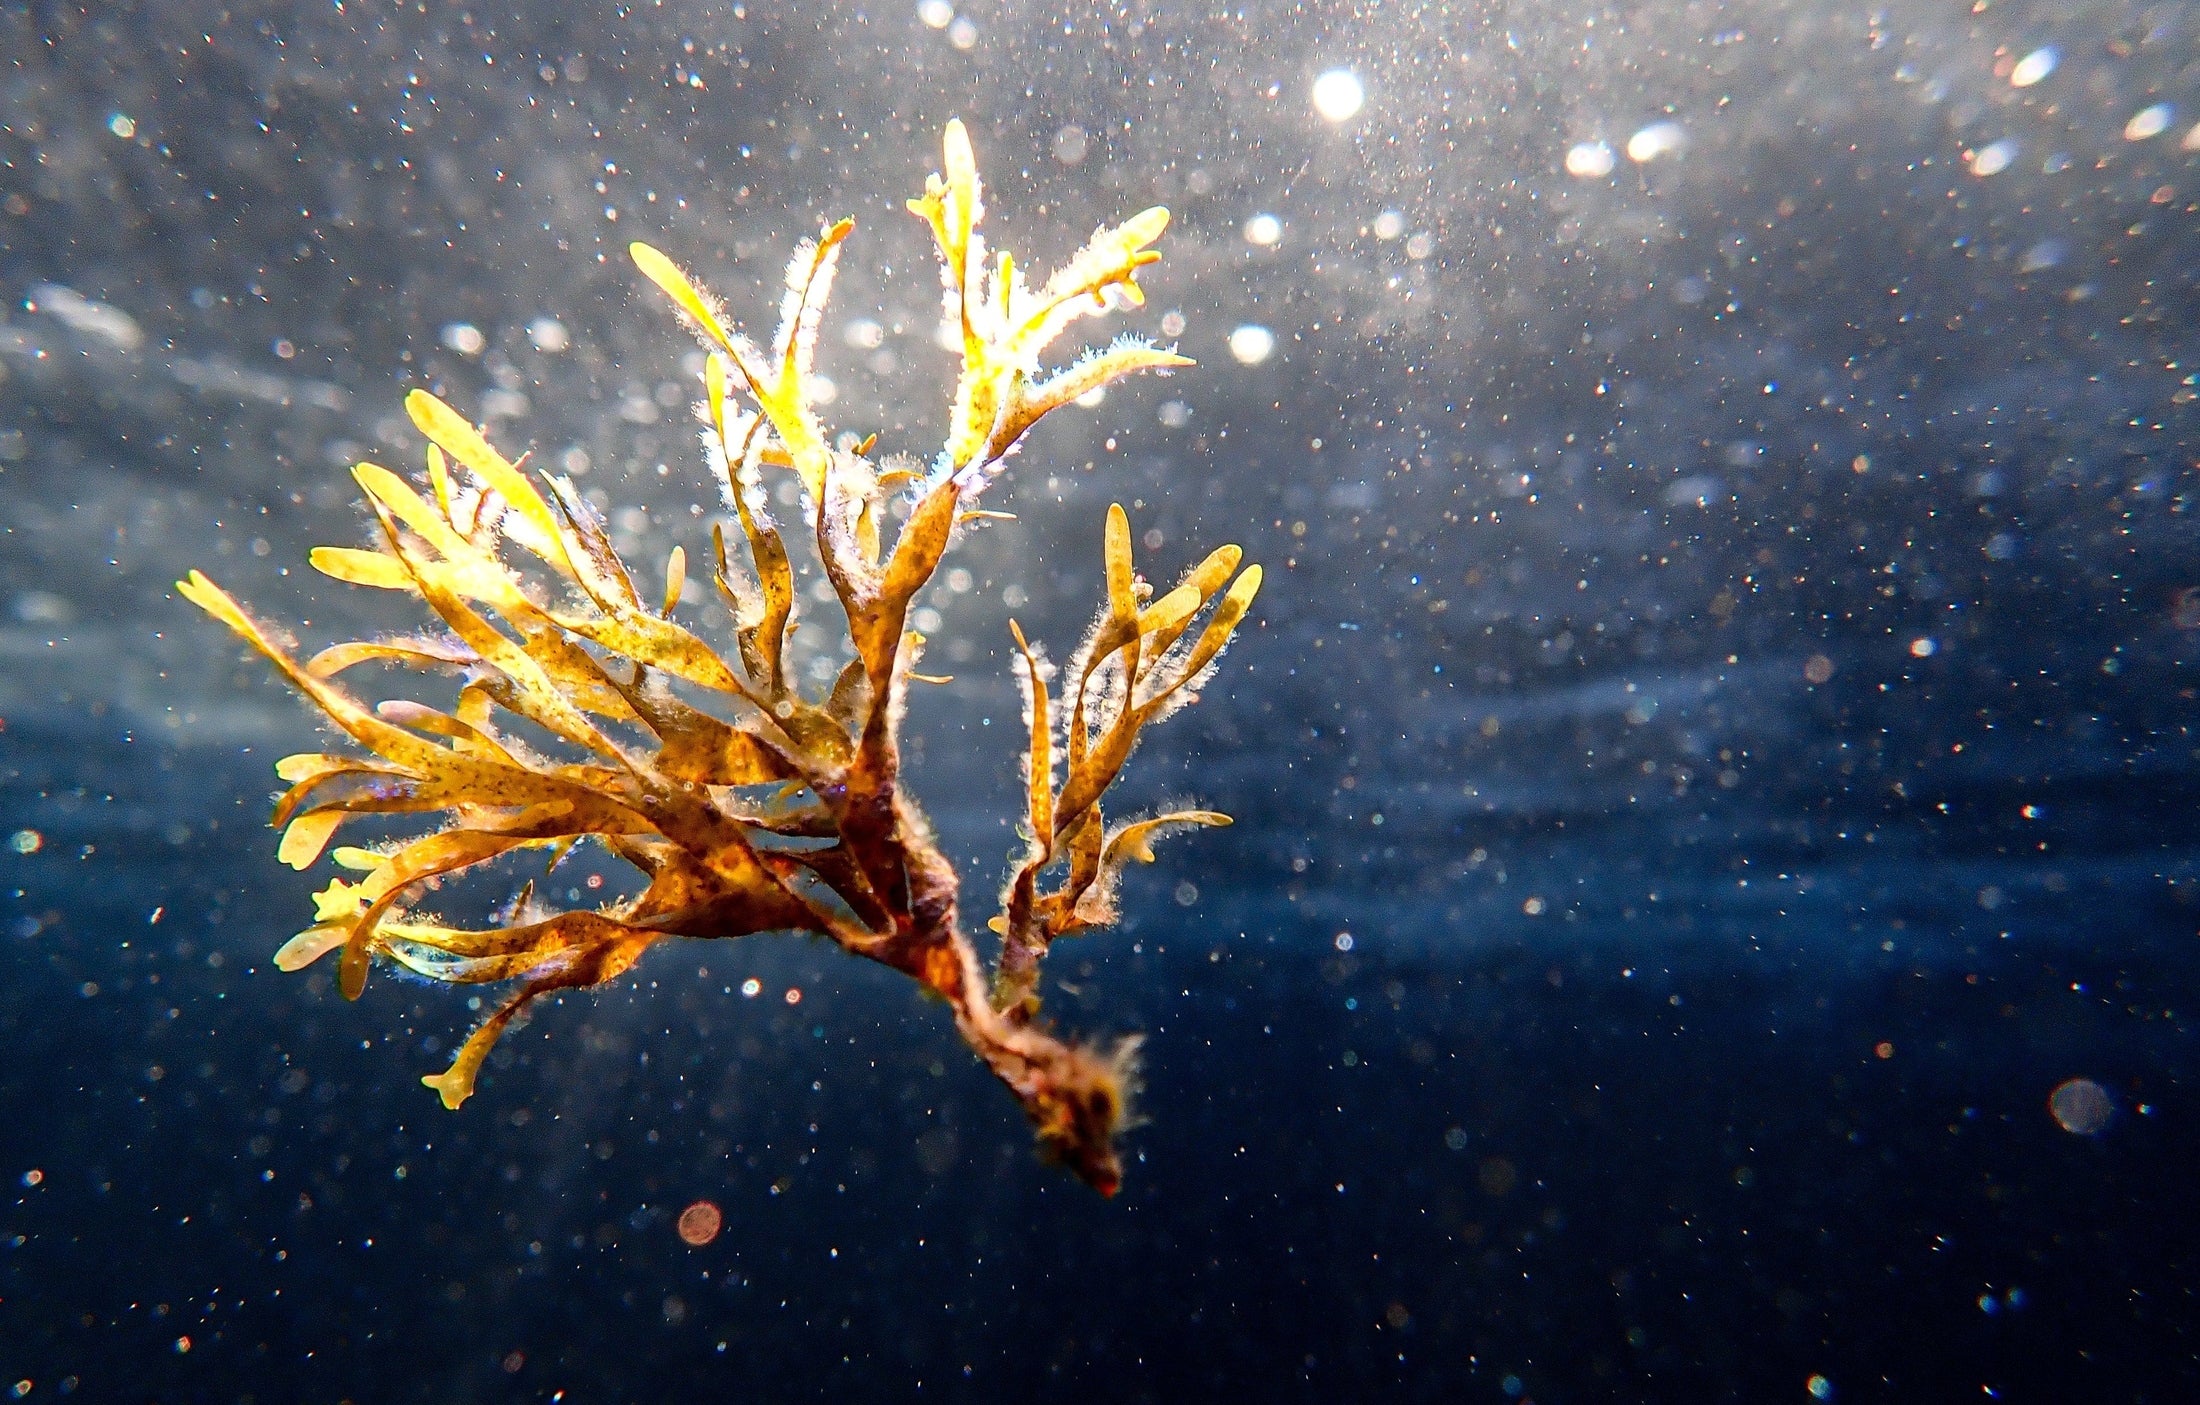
1040, 762
306, 837
341, 901
448, 428
675, 285
354, 567
1135, 841
1111, 259
455, 1085
1116, 552
306, 765
414, 653
308, 947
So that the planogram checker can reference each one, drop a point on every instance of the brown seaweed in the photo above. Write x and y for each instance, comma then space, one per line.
747, 805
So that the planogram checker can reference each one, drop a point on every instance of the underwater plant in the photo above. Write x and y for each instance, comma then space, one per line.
589, 712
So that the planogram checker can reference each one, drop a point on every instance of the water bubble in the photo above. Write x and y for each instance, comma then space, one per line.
1338, 94
936, 14
2034, 66
1262, 231
700, 1223
1070, 144
122, 125
86, 316
2149, 122
2046, 254
1252, 344
1993, 160
1590, 160
2082, 1106
1389, 225
548, 334
2184, 608
1657, 139
26, 841
464, 338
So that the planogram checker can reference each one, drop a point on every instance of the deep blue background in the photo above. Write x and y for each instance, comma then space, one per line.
1716, 750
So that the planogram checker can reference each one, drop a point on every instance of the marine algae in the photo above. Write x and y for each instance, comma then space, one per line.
748, 806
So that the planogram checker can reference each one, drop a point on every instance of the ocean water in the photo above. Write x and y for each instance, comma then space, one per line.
1712, 907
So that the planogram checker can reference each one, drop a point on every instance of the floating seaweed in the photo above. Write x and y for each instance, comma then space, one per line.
748, 806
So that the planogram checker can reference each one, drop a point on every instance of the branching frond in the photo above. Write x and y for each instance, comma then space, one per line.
589, 707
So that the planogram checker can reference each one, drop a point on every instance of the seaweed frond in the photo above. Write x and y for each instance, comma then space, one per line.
586, 708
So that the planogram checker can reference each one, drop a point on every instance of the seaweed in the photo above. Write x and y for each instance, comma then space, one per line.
586, 711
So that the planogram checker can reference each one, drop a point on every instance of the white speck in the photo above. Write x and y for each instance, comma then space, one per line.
864, 334
1071, 143
936, 14
1389, 225
122, 125
1252, 344
1338, 94
1924, 647
2192, 138
1993, 160
464, 338
1092, 399
1420, 246
1263, 231
2149, 122
1174, 414
1657, 139
1589, 160
2034, 66
549, 334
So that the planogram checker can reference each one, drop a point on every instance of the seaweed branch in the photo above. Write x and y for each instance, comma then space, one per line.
699, 768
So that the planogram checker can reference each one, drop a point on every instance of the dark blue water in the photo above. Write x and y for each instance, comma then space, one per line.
1715, 754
